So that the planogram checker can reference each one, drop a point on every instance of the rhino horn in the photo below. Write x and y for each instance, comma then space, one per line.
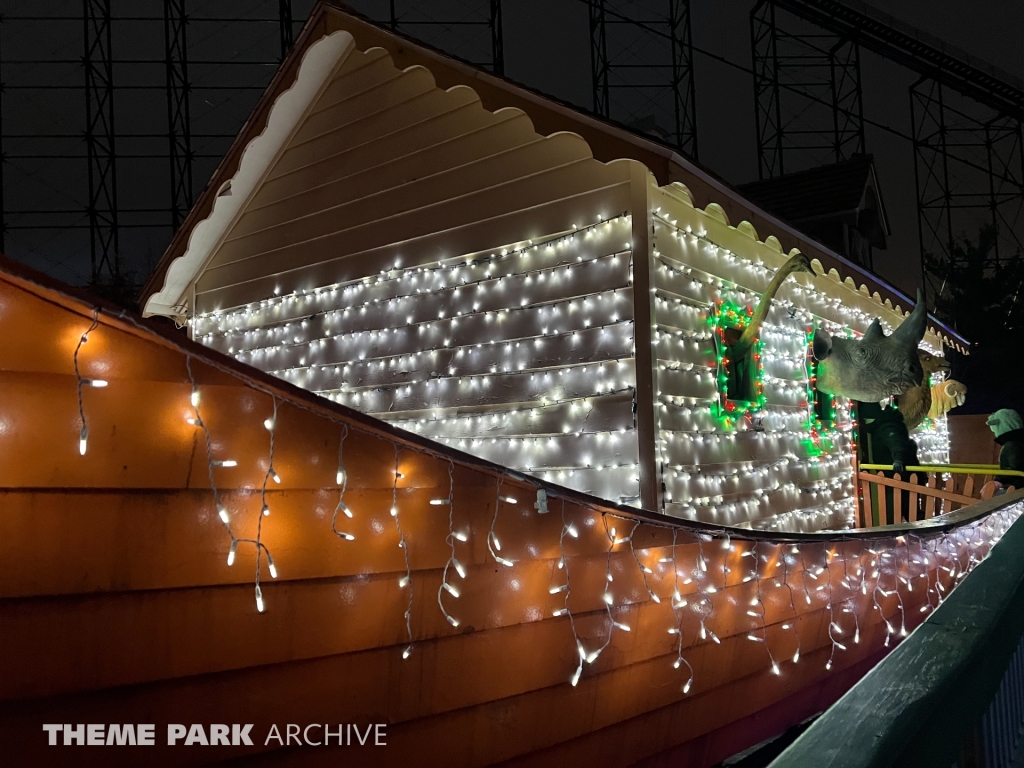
911, 330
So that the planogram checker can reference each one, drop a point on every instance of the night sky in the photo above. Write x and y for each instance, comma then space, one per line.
547, 47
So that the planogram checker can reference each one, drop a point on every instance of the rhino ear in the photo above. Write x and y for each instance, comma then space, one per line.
821, 347
874, 331
911, 330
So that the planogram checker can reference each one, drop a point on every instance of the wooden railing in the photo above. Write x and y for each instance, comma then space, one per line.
928, 491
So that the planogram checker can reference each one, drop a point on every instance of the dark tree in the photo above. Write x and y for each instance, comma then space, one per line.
982, 298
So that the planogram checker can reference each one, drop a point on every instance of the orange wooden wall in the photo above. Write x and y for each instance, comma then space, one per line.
117, 605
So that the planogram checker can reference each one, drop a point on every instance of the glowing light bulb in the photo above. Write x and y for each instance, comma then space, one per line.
231, 552
195, 398
223, 513
83, 440
259, 599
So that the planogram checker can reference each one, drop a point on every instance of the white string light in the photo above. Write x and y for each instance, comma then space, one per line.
493, 544
341, 478
678, 603
450, 539
271, 426
405, 582
83, 435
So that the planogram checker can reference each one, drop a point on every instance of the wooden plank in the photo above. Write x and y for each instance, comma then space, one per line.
897, 499
883, 503
914, 511
968, 489
868, 516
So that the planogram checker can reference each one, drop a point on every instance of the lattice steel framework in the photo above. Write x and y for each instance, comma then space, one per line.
966, 117
967, 170
112, 143
100, 141
179, 125
455, 27
807, 95
641, 54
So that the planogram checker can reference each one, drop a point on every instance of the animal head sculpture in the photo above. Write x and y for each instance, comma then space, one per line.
932, 364
875, 367
916, 401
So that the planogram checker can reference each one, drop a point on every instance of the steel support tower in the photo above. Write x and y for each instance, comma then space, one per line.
179, 125
106, 150
641, 54
966, 116
807, 95
469, 29
100, 142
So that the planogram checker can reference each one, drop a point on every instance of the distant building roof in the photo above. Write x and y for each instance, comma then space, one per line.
837, 191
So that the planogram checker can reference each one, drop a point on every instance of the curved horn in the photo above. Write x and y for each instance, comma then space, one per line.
911, 330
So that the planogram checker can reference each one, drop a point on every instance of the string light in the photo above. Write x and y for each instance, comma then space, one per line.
405, 582
450, 539
83, 434
222, 512
342, 480
678, 603
493, 545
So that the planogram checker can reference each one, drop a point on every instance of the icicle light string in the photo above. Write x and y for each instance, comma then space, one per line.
271, 425
222, 512
83, 434
759, 615
608, 597
568, 528
704, 607
405, 582
789, 559
451, 538
493, 544
341, 478
644, 570
833, 627
678, 603
415, 272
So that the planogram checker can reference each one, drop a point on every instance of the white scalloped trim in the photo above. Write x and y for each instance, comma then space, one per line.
318, 63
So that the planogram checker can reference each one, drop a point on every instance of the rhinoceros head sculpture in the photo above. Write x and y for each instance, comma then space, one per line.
876, 366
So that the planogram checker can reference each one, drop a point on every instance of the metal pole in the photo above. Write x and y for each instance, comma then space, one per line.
100, 142
179, 129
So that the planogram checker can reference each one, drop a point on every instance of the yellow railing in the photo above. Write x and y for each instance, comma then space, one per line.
888, 500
